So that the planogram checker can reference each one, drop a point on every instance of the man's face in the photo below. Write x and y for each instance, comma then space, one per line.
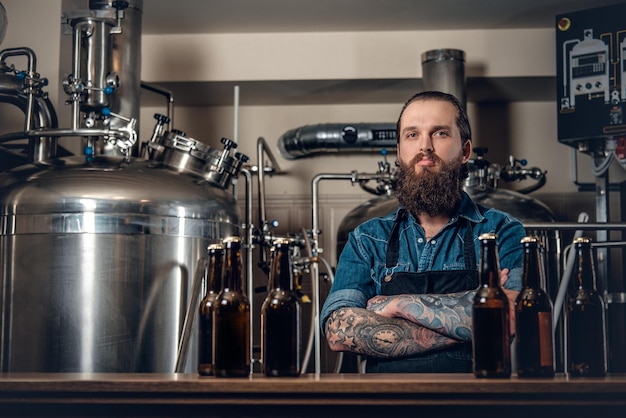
431, 158
429, 136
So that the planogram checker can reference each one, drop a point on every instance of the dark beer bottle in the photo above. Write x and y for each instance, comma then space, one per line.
533, 318
586, 344
231, 317
215, 254
280, 318
490, 316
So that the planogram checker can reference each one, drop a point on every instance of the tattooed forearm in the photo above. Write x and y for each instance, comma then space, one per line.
363, 332
448, 314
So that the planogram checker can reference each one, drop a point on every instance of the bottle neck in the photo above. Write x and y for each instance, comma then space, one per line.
584, 273
531, 269
488, 269
231, 270
214, 271
281, 275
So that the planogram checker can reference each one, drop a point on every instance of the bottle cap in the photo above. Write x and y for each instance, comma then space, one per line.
282, 241
487, 236
582, 240
229, 240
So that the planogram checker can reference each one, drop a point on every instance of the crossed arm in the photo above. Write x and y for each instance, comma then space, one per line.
405, 325
362, 331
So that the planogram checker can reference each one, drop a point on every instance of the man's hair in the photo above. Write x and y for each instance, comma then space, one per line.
462, 121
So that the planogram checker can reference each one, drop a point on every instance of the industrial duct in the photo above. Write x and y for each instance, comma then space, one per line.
442, 70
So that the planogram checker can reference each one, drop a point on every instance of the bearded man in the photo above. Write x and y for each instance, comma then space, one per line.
402, 293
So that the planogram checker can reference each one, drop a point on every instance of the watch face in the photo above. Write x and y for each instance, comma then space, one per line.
384, 339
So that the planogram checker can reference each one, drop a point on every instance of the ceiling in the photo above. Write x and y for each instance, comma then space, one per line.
258, 16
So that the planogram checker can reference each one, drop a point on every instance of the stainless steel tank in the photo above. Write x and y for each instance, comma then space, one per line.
98, 256
100, 253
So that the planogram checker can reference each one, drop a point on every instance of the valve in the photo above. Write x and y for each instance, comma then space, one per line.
126, 142
513, 161
515, 172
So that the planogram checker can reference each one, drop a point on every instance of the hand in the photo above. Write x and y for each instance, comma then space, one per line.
381, 305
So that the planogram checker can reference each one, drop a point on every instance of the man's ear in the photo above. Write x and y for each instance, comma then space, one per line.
467, 151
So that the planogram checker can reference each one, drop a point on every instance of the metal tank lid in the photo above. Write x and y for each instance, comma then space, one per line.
109, 196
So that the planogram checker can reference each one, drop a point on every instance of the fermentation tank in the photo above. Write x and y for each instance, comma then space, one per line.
102, 253
99, 258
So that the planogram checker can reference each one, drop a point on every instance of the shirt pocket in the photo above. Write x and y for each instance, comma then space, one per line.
380, 271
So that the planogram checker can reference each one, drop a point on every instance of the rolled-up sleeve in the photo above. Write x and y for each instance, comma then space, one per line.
510, 251
344, 298
352, 285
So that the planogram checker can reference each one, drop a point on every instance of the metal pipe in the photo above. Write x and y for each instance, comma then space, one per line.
444, 70
314, 266
37, 109
170, 100
574, 226
262, 149
75, 112
32, 65
248, 228
58, 132
190, 315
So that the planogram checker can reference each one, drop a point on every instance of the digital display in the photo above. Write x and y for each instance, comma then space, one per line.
384, 135
588, 60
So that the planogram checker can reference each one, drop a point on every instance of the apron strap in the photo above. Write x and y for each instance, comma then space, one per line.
393, 244
469, 249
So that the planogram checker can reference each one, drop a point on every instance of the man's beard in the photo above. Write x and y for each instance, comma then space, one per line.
431, 192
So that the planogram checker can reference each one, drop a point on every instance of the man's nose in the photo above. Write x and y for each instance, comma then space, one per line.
425, 144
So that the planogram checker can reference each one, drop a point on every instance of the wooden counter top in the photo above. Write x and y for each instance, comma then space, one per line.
328, 395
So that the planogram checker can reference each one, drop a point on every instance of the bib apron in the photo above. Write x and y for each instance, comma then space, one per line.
455, 359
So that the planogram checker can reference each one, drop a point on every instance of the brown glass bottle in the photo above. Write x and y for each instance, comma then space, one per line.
490, 316
215, 254
281, 339
586, 343
533, 318
231, 317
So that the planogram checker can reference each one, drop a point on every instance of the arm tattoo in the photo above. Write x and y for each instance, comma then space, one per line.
363, 332
448, 314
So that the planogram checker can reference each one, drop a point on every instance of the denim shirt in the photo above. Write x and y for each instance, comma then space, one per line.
361, 266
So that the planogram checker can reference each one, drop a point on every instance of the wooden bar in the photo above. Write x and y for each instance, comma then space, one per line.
326, 395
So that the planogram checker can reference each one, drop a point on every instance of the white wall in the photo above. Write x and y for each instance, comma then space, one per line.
525, 129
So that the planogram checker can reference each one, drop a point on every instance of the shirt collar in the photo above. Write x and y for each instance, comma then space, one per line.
469, 210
